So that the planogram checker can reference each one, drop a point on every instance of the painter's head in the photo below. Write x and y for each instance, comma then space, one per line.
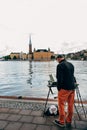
60, 57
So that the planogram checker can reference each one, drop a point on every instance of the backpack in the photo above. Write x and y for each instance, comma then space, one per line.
52, 111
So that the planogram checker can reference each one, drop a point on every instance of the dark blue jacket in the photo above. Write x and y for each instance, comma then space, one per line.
65, 75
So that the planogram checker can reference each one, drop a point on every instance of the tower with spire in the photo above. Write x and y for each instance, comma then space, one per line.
30, 45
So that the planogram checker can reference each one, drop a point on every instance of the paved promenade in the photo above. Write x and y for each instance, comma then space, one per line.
18, 114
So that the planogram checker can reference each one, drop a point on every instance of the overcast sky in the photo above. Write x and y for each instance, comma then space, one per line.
60, 25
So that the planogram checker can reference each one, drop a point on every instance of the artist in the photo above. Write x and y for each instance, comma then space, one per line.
66, 90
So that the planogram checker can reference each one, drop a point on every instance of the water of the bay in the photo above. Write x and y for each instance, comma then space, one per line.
30, 79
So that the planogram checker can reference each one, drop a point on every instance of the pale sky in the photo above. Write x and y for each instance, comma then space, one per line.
60, 25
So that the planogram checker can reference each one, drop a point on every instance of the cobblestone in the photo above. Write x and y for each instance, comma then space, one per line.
27, 115
22, 105
32, 105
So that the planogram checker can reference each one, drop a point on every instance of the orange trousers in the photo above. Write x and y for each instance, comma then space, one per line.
63, 97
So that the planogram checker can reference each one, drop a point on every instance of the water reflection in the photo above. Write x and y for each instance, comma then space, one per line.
31, 78
29, 81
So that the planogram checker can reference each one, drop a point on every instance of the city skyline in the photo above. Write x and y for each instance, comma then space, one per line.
58, 25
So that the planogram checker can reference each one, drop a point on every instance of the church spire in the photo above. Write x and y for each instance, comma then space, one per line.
30, 44
30, 39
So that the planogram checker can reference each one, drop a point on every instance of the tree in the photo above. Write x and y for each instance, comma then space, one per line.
14, 58
7, 57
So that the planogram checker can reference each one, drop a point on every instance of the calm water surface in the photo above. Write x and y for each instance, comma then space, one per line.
24, 78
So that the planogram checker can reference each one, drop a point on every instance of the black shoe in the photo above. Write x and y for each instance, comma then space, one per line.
68, 124
58, 123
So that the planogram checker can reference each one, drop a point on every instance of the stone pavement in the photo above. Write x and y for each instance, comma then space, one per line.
20, 118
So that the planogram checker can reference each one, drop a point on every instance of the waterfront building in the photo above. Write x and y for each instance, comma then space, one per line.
42, 55
23, 56
36, 55
17, 55
39, 54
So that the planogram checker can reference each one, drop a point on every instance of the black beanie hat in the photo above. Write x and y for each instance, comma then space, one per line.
59, 56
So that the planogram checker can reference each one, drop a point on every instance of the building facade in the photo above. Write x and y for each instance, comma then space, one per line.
20, 56
14, 55
36, 55
42, 55
39, 54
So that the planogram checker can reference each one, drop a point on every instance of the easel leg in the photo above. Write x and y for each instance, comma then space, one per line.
80, 100
77, 112
46, 102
